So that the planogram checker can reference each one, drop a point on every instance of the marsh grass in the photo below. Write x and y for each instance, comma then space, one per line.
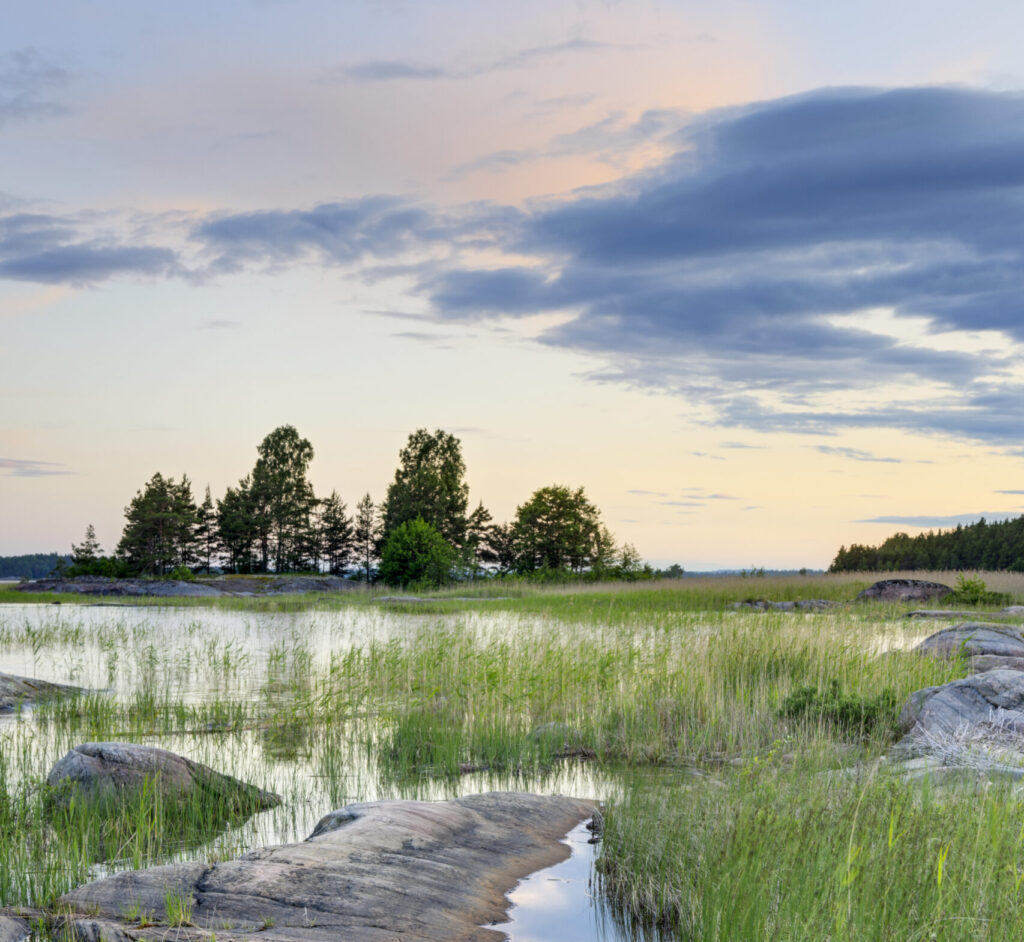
657, 697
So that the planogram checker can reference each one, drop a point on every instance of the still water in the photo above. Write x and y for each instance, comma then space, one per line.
218, 656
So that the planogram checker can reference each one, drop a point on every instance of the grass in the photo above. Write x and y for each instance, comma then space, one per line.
713, 734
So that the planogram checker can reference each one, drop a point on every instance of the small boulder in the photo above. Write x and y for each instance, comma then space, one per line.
100, 770
15, 691
904, 590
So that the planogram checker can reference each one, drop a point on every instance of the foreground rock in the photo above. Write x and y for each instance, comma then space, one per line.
15, 691
904, 590
98, 770
1012, 611
371, 872
975, 723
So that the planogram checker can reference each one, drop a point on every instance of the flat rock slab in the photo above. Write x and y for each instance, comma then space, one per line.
212, 587
1011, 611
372, 872
799, 605
104, 769
15, 691
904, 590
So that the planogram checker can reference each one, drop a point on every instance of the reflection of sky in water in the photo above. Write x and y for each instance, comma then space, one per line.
559, 904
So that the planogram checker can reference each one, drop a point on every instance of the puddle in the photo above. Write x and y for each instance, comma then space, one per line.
559, 903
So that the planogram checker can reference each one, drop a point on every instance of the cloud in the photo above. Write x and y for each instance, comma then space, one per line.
680, 503
648, 493
722, 274
389, 70
854, 454
44, 248
611, 140
940, 521
28, 468
1009, 492
27, 83
737, 445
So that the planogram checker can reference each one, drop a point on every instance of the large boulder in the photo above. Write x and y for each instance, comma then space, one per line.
15, 691
371, 872
976, 722
102, 770
904, 590
974, 639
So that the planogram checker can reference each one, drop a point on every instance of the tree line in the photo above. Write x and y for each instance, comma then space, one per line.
981, 545
422, 532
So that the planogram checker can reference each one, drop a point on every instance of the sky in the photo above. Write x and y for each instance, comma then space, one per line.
749, 272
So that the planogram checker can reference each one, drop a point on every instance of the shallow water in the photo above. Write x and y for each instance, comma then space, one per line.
213, 656
561, 902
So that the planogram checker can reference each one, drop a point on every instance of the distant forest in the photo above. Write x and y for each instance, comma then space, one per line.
31, 565
980, 545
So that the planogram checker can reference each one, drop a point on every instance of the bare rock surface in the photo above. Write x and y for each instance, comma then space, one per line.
1011, 611
975, 639
799, 605
371, 872
209, 587
98, 769
904, 590
976, 722
13, 929
16, 690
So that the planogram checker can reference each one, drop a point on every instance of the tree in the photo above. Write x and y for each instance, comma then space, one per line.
205, 532
429, 485
336, 534
158, 528
237, 530
416, 554
476, 550
366, 536
282, 497
559, 529
88, 551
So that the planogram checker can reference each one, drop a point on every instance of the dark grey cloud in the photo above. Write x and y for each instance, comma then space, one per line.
388, 70
1010, 492
28, 468
28, 83
854, 454
720, 274
44, 248
951, 520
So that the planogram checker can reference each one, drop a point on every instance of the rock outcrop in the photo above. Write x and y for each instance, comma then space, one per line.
99, 770
904, 590
211, 587
977, 722
371, 872
799, 605
15, 691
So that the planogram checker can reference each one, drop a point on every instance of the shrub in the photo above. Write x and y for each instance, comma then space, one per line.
970, 591
846, 712
416, 554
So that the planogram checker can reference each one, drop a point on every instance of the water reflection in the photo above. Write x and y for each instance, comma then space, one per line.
559, 903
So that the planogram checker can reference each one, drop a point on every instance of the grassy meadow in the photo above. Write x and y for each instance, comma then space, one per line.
736, 751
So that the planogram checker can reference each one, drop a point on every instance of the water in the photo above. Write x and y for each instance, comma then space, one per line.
561, 902
214, 657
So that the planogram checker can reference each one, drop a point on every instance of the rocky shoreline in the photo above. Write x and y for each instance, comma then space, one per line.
201, 587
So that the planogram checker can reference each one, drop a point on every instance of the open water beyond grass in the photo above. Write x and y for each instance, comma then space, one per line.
726, 818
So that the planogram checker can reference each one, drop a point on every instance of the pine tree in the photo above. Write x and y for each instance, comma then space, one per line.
205, 532
336, 534
366, 536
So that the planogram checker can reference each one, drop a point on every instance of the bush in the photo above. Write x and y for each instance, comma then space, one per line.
846, 712
182, 573
416, 555
974, 592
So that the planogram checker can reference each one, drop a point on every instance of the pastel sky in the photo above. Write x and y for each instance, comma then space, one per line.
750, 272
